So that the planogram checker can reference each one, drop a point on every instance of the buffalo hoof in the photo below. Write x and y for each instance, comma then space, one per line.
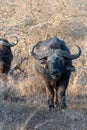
56, 104
51, 106
53, 109
63, 107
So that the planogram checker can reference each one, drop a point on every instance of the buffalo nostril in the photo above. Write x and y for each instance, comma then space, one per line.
58, 74
52, 72
55, 73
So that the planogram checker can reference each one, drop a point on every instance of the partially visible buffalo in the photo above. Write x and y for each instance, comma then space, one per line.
6, 55
53, 61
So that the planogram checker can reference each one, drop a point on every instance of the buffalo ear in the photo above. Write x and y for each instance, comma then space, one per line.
70, 67
43, 61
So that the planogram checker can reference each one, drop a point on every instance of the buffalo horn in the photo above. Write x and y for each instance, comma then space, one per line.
68, 55
6, 43
39, 57
58, 52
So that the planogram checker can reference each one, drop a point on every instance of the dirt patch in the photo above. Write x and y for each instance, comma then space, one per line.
24, 106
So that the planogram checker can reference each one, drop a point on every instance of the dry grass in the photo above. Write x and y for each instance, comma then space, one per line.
25, 107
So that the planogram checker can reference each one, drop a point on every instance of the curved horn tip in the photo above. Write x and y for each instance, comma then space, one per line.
17, 40
79, 49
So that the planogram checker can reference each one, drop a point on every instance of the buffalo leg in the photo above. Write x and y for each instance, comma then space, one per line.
50, 95
62, 92
56, 98
61, 95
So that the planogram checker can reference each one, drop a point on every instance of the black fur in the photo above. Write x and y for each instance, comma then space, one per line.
6, 58
56, 71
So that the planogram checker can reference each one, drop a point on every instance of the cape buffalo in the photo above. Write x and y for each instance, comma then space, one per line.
6, 55
53, 61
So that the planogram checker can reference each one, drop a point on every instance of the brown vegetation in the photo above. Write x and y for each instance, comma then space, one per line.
32, 21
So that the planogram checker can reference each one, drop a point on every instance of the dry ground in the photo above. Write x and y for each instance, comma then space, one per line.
25, 103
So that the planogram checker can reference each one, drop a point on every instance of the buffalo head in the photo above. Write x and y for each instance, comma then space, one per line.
55, 65
57, 60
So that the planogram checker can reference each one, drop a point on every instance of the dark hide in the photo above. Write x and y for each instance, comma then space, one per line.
56, 71
6, 57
